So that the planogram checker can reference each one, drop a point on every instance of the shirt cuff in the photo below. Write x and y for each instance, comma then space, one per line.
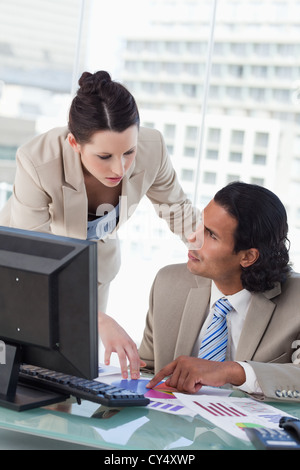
251, 384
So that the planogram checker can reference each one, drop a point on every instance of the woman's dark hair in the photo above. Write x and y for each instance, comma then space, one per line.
262, 224
101, 104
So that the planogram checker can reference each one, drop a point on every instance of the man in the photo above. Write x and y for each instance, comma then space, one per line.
238, 254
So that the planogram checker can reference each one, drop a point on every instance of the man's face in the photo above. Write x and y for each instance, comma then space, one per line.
211, 249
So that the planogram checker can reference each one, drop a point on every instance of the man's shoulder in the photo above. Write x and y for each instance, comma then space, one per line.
179, 274
294, 276
292, 282
174, 270
288, 288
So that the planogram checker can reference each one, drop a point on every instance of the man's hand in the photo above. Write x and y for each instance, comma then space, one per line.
189, 374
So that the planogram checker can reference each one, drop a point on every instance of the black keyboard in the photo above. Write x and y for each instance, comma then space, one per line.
82, 389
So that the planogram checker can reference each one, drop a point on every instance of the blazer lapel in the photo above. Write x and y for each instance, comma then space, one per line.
74, 194
193, 317
258, 317
75, 206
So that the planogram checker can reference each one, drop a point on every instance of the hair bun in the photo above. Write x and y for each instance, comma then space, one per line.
92, 83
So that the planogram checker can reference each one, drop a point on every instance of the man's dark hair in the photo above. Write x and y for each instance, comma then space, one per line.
262, 224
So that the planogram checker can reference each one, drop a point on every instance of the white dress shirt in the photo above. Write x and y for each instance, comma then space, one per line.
235, 321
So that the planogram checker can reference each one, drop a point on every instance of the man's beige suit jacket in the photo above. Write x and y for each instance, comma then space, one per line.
269, 338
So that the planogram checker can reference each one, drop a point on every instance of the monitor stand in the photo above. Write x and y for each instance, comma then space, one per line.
21, 397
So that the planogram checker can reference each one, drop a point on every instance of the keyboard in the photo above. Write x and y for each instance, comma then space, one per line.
82, 389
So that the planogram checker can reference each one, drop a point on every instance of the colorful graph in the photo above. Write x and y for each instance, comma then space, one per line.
161, 391
219, 409
159, 396
165, 406
248, 425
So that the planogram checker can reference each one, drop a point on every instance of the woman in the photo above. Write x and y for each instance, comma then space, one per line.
84, 180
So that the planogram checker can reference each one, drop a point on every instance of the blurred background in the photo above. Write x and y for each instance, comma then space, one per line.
220, 80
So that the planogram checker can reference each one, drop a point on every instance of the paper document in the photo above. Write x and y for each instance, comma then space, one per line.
233, 414
163, 398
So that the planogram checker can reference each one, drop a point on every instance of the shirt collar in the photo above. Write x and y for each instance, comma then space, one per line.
240, 301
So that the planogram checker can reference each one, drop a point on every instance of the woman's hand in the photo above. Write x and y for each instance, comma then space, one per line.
115, 339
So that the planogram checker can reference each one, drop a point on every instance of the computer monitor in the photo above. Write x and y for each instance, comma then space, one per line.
48, 311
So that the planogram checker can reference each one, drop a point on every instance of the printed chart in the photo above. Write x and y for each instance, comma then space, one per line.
233, 414
219, 409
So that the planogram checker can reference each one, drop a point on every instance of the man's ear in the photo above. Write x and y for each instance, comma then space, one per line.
72, 141
249, 257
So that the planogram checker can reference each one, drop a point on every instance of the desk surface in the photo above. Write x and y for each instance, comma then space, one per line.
131, 428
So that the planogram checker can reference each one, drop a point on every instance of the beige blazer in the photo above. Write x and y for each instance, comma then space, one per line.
178, 304
50, 196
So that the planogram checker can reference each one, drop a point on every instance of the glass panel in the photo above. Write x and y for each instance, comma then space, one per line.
259, 102
250, 128
37, 56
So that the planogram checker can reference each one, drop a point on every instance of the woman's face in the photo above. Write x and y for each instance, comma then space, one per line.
109, 155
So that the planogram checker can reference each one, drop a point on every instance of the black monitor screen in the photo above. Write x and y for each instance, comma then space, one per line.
48, 301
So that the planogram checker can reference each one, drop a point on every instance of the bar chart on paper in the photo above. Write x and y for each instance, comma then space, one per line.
233, 414
219, 409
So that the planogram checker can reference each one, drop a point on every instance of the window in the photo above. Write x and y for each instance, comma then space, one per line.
7, 152
237, 137
238, 49
259, 181
234, 92
189, 151
209, 177
283, 72
151, 67
250, 103
261, 139
168, 88
262, 50
150, 87
231, 178
173, 47
170, 149
259, 71
171, 68
187, 175
236, 70
235, 157
196, 48
191, 133
192, 68
257, 94
212, 154
190, 90
282, 95
214, 135
286, 50
259, 159
170, 131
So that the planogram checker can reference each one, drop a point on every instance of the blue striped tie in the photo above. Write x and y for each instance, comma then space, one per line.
214, 343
